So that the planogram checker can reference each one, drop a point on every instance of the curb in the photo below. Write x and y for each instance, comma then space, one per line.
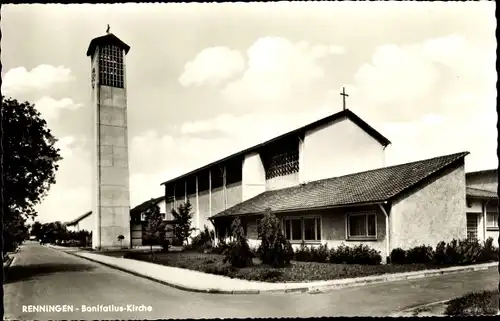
409, 312
9, 262
179, 287
305, 289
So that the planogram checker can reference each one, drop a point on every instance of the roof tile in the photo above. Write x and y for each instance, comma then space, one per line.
370, 186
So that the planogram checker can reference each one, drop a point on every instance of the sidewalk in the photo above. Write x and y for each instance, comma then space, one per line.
195, 281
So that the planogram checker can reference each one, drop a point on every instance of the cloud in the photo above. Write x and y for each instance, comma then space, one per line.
276, 68
66, 144
212, 65
408, 81
51, 108
19, 80
396, 74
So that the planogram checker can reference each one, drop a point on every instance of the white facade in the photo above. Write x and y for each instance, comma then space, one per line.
86, 224
338, 148
253, 176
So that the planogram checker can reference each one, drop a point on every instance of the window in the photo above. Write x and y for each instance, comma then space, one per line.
492, 220
302, 228
363, 225
111, 67
472, 226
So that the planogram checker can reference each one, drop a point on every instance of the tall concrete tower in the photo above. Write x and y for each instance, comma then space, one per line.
111, 197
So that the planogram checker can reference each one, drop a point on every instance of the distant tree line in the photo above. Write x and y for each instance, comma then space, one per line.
57, 233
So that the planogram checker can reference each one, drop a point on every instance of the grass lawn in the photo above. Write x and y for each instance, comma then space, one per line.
474, 304
296, 272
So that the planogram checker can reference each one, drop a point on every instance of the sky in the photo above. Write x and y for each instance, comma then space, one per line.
208, 80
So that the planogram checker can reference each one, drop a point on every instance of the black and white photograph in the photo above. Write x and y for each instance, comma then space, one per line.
249, 160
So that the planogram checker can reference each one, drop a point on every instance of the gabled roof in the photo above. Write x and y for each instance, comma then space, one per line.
109, 39
340, 115
139, 209
372, 186
78, 219
480, 193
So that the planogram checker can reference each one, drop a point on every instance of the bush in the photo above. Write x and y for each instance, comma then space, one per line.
274, 250
204, 241
303, 254
320, 253
219, 270
165, 245
489, 253
420, 254
238, 252
269, 276
398, 256
360, 254
440, 253
474, 304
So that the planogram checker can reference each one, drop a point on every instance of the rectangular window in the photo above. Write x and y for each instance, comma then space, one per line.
302, 228
471, 226
111, 67
492, 220
362, 225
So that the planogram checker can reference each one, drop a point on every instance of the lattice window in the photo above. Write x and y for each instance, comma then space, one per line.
282, 164
111, 67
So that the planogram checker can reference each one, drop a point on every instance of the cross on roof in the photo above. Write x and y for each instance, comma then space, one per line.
343, 98
107, 29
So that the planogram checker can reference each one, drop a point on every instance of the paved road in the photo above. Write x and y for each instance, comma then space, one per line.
44, 276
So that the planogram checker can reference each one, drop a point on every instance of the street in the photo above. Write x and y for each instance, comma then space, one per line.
44, 276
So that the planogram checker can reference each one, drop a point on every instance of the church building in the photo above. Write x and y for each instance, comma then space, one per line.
328, 183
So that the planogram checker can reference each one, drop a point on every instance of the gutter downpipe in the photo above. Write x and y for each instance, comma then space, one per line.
387, 236
484, 218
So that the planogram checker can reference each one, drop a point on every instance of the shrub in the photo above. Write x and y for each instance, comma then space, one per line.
165, 245
360, 254
489, 252
440, 253
219, 248
238, 252
465, 251
303, 253
474, 304
274, 250
203, 241
471, 250
398, 256
420, 254
219, 270
269, 275
320, 253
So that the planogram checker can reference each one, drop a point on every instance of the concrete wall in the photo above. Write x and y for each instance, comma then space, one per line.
234, 194
333, 229
338, 148
204, 211
86, 224
432, 212
111, 175
282, 181
253, 176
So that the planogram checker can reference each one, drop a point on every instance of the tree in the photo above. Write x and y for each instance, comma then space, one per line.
274, 249
29, 164
238, 252
120, 239
183, 218
155, 229
36, 229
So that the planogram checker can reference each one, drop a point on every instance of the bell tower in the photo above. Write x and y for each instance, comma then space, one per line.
110, 188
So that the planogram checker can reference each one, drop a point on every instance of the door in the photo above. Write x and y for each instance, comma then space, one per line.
472, 225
